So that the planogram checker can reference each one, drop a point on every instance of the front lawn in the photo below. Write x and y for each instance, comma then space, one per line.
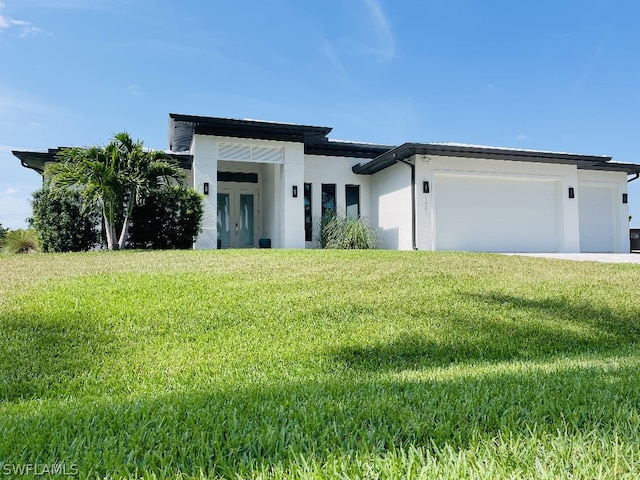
323, 364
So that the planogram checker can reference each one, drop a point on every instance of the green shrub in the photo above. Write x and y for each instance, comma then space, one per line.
347, 233
325, 228
61, 222
169, 218
21, 241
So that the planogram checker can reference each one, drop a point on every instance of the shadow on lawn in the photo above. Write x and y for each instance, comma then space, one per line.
556, 327
242, 431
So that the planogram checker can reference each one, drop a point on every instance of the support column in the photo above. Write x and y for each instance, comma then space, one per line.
292, 220
205, 170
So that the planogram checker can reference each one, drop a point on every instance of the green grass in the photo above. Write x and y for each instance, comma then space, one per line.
319, 364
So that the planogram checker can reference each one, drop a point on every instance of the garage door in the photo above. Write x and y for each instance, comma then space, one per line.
496, 214
596, 218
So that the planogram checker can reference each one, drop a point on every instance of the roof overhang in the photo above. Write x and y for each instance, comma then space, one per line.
407, 150
182, 128
37, 160
338, 148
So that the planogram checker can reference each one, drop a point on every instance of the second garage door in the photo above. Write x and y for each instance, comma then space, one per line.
496, 214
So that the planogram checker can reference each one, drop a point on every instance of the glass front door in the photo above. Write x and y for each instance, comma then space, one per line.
236, 222
246, 232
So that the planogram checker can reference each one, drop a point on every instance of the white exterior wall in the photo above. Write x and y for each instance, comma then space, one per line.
319, 169
385, 197
435, 168
205, 170
282, 215
391, 206
292, 221
603, 215
271, 217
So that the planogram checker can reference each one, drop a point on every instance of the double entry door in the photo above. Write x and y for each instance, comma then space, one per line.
238, 223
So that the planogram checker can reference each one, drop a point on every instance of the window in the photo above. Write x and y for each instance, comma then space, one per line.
328, 199
238, 177
308, 219
352, 194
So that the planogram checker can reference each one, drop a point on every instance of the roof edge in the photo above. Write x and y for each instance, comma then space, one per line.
406, 150
182, 128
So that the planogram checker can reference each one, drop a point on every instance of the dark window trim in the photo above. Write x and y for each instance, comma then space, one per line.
346, 196
308, 212
239, 177
335, 198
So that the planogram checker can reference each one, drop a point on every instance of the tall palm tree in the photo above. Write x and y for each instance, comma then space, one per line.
114, 177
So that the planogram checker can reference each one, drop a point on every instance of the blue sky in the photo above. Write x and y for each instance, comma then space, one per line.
557, 75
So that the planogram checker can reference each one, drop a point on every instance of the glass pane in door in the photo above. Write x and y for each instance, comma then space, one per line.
224, 212
246, 220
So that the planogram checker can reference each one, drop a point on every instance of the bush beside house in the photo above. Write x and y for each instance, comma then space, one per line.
336, 231
169, 218
61, 222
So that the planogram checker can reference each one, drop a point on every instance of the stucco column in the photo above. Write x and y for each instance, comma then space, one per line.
570, 214
292, 220
205, 170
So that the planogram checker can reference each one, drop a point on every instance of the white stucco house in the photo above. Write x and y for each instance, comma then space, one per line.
269, 180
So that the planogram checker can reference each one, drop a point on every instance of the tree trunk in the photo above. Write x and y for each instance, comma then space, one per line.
109, 228
124, 233
110, 231
125, 225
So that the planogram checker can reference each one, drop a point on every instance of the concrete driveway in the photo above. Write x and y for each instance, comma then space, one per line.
588, 257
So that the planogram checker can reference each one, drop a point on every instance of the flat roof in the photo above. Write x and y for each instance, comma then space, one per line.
182, 128
407, 150
37, 160
343, 148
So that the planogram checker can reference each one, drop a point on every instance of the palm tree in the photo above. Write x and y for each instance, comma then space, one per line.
114, 177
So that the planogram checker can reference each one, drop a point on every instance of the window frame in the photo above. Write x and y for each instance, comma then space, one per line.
347, 187
308, 212
323, 209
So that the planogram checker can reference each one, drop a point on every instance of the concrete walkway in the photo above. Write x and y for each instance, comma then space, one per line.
588, 257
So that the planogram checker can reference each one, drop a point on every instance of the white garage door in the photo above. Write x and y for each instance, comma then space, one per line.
496, 214
596, 218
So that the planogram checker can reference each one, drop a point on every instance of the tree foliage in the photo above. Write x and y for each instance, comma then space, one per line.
62, 223
3, 232
114, 178
169, 218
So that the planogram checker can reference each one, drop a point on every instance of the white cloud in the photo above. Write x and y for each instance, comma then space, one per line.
11, 191
385, 48
521, 137
134, 90
330, 54
21, 27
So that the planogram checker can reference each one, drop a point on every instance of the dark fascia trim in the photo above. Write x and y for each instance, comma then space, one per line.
346, 149
36, 160
628, 168
183, 127
409, 149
